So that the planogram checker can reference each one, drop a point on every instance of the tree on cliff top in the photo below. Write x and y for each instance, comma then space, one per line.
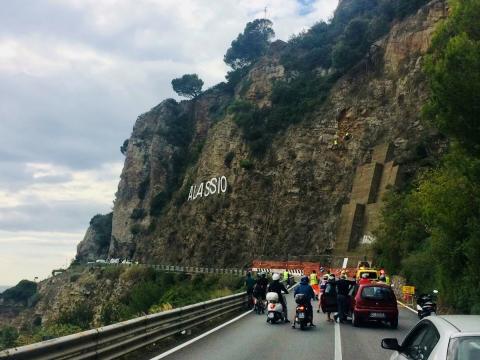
250, 45
189, 85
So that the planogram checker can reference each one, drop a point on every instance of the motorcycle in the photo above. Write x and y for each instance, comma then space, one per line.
302, 316
426, 304
274, 308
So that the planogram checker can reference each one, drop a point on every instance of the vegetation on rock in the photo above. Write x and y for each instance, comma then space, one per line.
431, 230
189, 85
21, 292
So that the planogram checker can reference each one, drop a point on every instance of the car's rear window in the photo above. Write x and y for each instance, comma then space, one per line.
377, 293
464, 348
371, 274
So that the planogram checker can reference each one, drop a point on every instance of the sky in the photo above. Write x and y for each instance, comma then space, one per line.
74, 76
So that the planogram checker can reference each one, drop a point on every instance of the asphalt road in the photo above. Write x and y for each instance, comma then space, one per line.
252, 337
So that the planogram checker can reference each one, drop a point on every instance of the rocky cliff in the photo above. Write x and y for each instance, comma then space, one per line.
173, 206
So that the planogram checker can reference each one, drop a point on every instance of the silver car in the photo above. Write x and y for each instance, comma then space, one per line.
448, 337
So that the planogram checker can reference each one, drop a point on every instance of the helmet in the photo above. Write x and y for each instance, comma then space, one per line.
263, 275
365, 275
331, 277
304, 280
322, 269
276, 277
325, 277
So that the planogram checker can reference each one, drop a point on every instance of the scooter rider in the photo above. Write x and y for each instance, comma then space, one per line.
305, 289
278, 287
262, 284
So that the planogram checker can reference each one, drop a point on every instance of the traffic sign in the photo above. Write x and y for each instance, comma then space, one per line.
409, 290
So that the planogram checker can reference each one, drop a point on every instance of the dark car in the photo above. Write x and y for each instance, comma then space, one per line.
373, 302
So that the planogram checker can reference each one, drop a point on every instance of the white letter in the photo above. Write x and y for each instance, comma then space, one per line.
207, 189
200, 190
224, 182
190, 196
214, 185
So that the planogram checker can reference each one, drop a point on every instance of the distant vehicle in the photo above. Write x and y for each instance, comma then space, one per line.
450, 337
373, 302
426, 304
101, 261
114, 261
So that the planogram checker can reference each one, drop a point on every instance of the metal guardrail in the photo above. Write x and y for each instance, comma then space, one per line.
113, 341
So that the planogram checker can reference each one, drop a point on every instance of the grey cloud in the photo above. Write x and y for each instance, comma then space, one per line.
39, 215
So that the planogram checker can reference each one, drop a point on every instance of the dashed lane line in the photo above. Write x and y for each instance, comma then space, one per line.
338, 342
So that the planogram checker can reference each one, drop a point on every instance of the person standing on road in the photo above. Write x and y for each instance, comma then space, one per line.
250, 283
286, 277
323, 284
313, 278
364, 279
343, 287
329, 298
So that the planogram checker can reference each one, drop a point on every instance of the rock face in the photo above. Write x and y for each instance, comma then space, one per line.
289, 202
96, 241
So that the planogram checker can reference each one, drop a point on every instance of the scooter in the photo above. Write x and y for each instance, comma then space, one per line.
302, 317
426, 304
274, 308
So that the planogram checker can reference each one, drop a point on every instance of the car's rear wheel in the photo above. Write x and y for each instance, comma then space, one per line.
355, 319
394, 323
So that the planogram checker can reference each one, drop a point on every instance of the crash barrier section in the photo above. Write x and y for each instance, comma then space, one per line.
202, 270
114, 341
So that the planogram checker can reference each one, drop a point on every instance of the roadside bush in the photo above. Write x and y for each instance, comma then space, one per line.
81, 315
8, 337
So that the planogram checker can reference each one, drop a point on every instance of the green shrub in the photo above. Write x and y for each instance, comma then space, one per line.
74, 277
229, 158
138, 214
143, 188
8, 337
81, 315
246, 164
158, 203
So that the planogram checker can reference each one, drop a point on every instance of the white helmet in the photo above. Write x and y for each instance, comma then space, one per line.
275, 277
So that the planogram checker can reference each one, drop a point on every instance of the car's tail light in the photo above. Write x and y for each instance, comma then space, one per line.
301, 308
272, 306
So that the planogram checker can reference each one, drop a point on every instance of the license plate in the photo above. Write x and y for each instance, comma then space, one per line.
301, 316
271, 315
377, 315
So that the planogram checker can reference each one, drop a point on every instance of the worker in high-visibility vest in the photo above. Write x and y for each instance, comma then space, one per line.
286, 277
384, 277
313, 278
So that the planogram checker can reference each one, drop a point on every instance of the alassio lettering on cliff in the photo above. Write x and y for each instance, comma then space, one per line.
213, 186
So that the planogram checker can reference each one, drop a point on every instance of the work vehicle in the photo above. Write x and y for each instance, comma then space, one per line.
373, 302
274, 308
372, 273
449, 337
426, 304
302, 316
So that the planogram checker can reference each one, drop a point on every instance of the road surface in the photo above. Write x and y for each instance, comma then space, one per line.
252, 337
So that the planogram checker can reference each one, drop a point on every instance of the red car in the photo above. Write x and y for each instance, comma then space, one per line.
373, 302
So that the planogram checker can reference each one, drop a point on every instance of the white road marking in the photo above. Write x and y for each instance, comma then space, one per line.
338, 342
181, 346
407, 307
